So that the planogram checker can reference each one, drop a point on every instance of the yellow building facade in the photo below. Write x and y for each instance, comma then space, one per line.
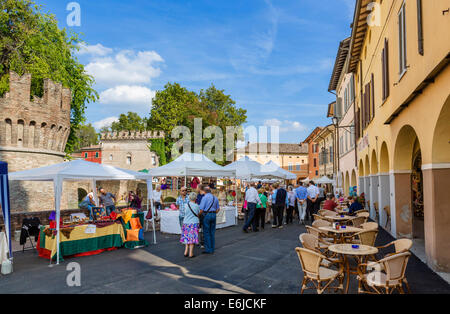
400, 55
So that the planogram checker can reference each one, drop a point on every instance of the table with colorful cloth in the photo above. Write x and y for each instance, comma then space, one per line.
93, 238
133, 225
81, 240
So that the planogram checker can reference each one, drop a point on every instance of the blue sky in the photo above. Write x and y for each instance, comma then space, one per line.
274, 57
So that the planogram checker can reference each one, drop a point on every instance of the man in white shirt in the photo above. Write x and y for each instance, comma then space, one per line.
312, 197
252, 198
157, 197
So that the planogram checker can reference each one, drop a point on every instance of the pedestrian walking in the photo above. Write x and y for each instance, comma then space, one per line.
301, 194
252, 199
209, 207
312, 198
190, 227
291, 205
261, 209
279, 202
181, 202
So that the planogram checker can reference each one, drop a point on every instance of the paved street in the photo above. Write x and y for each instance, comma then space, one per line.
263, 262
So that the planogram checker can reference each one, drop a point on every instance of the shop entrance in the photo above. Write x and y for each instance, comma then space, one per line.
417, 197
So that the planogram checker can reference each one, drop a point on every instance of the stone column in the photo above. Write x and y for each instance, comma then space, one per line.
367, 192
403, 204
393, 203
374, 195
361, 185
436, 182
383, 197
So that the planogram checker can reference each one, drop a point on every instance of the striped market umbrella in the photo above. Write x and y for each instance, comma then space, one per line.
4, 201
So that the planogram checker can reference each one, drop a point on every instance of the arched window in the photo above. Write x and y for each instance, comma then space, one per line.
128, 159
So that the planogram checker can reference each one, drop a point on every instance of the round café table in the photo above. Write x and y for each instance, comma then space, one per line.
338, 218
346, 250
338, 234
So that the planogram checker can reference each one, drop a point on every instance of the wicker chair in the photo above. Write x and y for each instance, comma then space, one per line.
321, 223
358, 221
363, 214
317, 217
369, 226
365, 237
362, 211
322, 212
392, 278
377, 213
387, 210
313, 271
313, 243
319, 234
400, 246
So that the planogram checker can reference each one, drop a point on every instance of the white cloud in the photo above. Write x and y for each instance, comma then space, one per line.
127, 95
105, 122
286, 125
125, 67
94, 50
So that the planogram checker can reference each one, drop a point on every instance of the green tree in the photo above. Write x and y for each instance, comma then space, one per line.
30, 41
129, 122
86, 136
177, 106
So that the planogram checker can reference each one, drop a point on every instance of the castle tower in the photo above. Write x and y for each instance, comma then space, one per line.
33, 133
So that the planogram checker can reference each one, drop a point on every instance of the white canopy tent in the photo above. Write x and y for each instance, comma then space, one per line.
247, 169
306, 180
272, 168
324, 180
77, 170
192, 165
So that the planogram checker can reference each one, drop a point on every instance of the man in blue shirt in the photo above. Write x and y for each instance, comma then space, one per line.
209, 207
302, 195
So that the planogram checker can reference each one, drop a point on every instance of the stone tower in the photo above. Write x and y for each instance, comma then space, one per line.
34, 133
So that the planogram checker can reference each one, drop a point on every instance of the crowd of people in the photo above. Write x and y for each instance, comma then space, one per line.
263, 204
280, 205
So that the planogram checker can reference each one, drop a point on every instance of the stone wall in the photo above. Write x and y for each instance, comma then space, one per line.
34, 133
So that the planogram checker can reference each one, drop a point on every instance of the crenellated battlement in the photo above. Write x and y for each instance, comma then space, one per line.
134, 135
56, 97
34, 124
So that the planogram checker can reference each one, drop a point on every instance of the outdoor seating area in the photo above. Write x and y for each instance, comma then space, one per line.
339, 247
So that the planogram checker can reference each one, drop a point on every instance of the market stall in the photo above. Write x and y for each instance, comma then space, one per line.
188, 165
170, 223
77, 170
81, 240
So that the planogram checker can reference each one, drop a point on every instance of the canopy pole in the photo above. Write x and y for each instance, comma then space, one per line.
152, 207
57, 186
94, 190
236, 202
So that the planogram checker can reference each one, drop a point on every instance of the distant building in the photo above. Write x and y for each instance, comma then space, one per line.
313, 153
292, 157
92, 153
129, 150
327, 151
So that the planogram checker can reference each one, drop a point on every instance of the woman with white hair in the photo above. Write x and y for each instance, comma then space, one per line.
191, 223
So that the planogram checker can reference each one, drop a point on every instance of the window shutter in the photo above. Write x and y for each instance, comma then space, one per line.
372, 97
420, 26
383, 71
386, 62
338, 112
